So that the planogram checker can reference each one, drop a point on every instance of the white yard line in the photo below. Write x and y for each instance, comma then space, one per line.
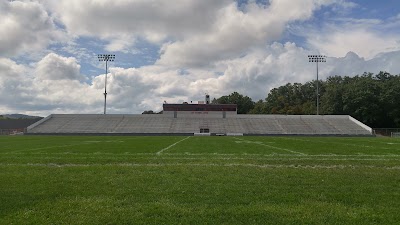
69, 145
272, 166
339, 143
270, 146
165, 149
56, 146
296, 158
217, 155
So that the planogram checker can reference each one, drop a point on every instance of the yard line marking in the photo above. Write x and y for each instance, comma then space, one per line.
165, 149
329, 142
297, 158
270, 146
375, 141
249, 155
89, 142
56, 146
272, 166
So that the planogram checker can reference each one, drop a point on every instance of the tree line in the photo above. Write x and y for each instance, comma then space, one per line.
373, 99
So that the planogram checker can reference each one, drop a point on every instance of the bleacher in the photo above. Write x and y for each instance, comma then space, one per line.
162, 124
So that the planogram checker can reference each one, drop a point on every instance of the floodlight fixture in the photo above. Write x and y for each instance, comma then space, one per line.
317, 59
106, 58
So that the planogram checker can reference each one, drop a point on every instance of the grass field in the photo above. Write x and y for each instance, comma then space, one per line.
199, 180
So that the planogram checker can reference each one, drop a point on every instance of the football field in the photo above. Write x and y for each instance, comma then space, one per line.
199, 180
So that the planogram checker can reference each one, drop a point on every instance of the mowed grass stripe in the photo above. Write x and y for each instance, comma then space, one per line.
172, 145
224, 145
201, 180
198, 195
92, 144
334, 145
359, 143
49, 147
273, 147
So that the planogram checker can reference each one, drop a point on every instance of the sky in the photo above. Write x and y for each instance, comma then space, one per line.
176, 51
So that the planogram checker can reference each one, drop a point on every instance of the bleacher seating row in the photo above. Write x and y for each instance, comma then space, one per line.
161, 124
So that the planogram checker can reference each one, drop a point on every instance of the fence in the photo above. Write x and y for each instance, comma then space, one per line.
385, 131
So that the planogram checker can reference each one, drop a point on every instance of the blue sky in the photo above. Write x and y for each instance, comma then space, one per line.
178, 51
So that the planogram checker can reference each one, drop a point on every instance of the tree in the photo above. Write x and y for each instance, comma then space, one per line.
244, 103
372, 99
291, 99
361, 99
332, 99
148, 112
260, 107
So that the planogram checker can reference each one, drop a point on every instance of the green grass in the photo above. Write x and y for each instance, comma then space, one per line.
199, 180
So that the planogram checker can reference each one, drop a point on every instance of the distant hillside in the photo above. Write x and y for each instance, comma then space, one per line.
19, 116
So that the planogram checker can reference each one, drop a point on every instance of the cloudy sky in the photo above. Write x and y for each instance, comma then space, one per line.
178, 50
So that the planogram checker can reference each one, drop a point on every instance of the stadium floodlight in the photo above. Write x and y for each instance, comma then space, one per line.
107, 58
317, 59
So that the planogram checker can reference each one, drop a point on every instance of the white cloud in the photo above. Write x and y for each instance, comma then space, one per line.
121, 44
206, 46
47, 88
197, 33
26, 90
15, 86
25, 27
55, 67
236, 31
352, 64
366, 43
12, 78
365, 36
344, 5
154, 20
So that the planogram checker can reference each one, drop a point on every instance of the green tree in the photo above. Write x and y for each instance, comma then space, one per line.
291, 99
372, 99
361, 99
260, 107
390, 99
244, 103
332, 98
148, 112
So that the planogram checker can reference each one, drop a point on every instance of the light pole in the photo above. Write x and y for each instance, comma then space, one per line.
106, 58
317, 59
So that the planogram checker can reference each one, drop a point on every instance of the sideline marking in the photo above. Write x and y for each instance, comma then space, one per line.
164, 149
270, 146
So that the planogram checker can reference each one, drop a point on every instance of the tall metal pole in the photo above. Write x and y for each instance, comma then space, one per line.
317, 59
105, 91
106, 58
317, 91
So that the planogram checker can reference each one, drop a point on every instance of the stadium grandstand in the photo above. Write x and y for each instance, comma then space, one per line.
202, 118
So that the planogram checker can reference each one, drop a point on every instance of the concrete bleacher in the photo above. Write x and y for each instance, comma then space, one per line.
163, 124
